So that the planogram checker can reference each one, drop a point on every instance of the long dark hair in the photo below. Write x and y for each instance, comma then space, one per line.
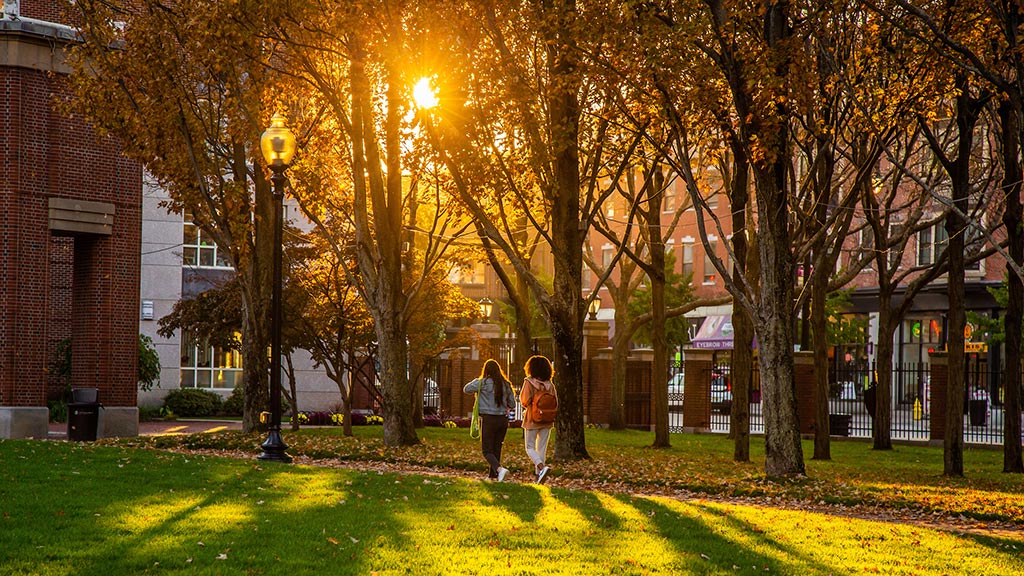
493, 371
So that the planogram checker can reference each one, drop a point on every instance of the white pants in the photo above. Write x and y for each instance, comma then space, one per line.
537, 444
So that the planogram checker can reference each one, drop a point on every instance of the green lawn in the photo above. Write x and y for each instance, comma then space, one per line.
906, 478
118, 507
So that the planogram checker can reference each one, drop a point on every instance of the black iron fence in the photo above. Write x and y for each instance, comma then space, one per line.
853, 399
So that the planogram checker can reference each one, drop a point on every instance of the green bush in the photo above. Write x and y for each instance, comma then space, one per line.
153, 413
58, 411
192, 402
235, 403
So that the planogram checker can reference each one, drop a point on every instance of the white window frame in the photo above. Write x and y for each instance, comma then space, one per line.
207, 367
198, 251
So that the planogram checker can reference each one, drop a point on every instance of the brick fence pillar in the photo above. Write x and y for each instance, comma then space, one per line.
597, 392
597, 372
464, 369
806, 384
697, 388
939, 385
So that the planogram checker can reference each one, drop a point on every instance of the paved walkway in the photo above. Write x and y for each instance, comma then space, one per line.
162, 428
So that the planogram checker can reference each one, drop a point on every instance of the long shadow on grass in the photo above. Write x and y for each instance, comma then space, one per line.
525, 504
694, 536
588, 505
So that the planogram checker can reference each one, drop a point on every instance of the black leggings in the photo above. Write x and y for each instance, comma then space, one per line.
492, 436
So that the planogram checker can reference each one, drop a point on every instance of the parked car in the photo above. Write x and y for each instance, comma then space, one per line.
675, 391
721, 393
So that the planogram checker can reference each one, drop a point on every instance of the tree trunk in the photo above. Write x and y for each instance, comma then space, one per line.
566, 311
570, 442
292, 394
524, 336
783, 452
1012, 219
742, 370
881, 424
819, 330
256, 310
659, 369
818, 279
967, 110
397, 401
377, 215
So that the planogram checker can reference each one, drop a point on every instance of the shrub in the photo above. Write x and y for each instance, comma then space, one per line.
315, 418
187, 402
58, 411
432, 420
151, 413
235, 403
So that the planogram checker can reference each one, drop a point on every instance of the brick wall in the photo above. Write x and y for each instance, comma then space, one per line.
48, 10
597, 388
696, 389
804, 375
46, 154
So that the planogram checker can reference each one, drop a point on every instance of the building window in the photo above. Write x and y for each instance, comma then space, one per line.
895, 251
205, 366
607, 253
974, 242
199, 250
687, 268
471, 274
669, 205
866, 244
710, 274
931, 242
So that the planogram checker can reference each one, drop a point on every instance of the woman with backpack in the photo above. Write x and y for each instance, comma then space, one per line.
539, 407
495, 398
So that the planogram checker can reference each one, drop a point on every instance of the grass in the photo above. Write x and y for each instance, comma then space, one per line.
119, 507
903, 479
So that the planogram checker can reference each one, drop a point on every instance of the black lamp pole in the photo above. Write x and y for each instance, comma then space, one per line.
274, 446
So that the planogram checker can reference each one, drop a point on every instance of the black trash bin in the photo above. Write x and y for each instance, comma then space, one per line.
978, 412
83, 414
839, 424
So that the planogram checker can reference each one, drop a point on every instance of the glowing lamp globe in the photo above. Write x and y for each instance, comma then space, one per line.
278, 143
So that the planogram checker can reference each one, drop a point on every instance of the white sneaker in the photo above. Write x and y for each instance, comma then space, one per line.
542, 474
502, 472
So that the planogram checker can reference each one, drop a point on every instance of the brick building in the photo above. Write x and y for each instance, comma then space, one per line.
71, 218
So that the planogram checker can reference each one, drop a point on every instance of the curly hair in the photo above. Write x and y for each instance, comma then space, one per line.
539, 367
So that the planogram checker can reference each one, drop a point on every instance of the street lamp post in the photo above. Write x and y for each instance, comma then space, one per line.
595, 306
278, 147
486, 307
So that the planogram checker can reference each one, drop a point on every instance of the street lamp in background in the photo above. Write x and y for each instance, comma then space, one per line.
278, 146
486, 307
595, 306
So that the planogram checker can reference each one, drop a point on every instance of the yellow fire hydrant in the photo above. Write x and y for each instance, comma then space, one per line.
917, 409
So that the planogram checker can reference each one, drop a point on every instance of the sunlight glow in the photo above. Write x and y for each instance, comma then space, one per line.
423, 93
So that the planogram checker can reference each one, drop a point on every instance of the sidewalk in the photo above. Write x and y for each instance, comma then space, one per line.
59, 431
